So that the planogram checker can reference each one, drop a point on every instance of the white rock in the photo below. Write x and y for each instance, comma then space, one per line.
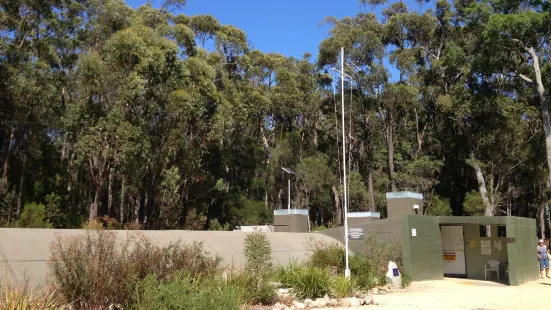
354, 302
344, 302
321, 302
333, 302
278, 306
308, 302
298, 305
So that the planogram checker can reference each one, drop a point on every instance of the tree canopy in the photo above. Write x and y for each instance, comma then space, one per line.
172, 121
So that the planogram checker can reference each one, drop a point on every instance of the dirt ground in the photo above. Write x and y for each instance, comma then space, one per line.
465, 294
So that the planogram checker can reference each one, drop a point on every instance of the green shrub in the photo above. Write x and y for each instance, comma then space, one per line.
343, 287
95, 271
215, 225
250, 290
306, 281
258, 265
258, 254
364, 274
186, 293
324, 256
379, 254
33, 216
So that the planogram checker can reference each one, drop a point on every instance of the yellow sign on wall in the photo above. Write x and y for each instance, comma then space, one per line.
472, 243
449, 256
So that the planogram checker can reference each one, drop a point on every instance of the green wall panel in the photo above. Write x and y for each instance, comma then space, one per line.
422, 253
523, 260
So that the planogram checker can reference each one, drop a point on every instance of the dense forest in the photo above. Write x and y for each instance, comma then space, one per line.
155, 117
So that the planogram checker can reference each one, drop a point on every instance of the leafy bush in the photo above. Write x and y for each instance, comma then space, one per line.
21, 297
326, 255
215, 225
367, 269
258, 255
96, 271
186, 293
364, 274
343, 287
473, 204
379, 254
33, 216
306, 281
439, 206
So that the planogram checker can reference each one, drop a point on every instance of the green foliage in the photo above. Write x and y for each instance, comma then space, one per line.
33, 216
378, 254
473, 204
258, 265
325, 256
216, 226
186, 293
343, 287
95, 270
258, 253
439, 206
306, 281
365, 272
163, 120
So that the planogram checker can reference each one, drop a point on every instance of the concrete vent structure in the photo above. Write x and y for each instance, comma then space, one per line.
293, 220
400, 204
358, 218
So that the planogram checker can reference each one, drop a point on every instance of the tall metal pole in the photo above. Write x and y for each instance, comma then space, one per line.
289, 194
345, 205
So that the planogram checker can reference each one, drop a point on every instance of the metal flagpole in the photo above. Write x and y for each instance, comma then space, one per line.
347, 270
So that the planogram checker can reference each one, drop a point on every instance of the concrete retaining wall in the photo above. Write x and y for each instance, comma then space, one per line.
25, 252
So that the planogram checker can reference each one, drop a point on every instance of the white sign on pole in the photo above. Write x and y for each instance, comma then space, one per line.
414, 232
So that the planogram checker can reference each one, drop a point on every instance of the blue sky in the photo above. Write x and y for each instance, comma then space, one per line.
288, 27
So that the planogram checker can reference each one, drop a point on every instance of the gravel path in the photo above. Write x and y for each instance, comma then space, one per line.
451, 294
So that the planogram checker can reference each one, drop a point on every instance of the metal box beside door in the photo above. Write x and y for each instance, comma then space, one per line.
453, 250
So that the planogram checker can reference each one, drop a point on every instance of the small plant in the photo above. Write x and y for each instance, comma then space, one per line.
364, 275
215, 225
379, 254
21, 297
33, 216
327, 255
306, 281
258, 255
186, 293
343, 287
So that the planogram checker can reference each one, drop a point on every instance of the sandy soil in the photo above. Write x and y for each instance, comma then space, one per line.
465, 294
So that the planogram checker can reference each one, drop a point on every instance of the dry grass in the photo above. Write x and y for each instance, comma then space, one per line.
96, 270
22, 297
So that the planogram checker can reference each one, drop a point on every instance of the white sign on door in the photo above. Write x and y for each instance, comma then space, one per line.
414, 232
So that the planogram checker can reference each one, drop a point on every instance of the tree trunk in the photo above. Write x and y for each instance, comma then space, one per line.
137, 209
542, 220
268, 156
488, 208
21, 183
4, 180
123, 199
390, 144
110, 192
544, 105
338, 209
370, 188
94, 206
